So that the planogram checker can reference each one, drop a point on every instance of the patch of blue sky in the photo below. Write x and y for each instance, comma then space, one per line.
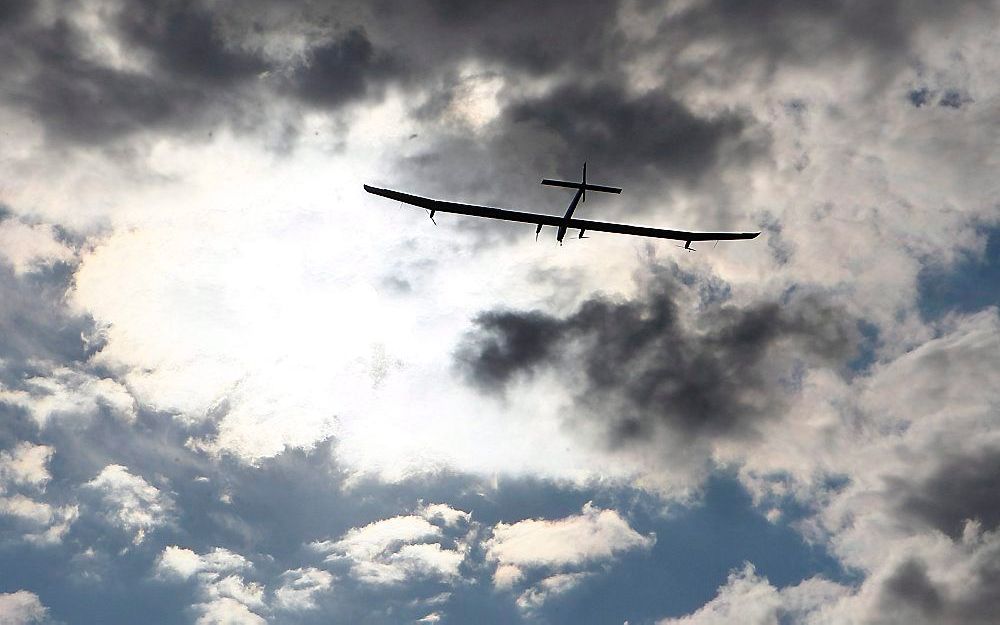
695, 550
971, 285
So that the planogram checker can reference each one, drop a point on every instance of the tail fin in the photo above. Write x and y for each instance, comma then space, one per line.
581, 185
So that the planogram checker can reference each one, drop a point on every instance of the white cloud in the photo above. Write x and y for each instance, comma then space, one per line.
573, 542
299, 588
551, 586
450, 516
131, 503
21, 608
507, 575
889, 438
393, 550
593, 535
183, 563
250, 594
28, 247
227, 611
225, 596
39, 522
72, 393
26, 464
749, 599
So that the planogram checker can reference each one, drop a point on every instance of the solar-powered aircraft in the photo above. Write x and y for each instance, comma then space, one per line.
564, 223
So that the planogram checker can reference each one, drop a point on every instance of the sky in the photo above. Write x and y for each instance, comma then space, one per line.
237, 389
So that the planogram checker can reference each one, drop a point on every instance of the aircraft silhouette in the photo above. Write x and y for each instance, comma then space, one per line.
564, 223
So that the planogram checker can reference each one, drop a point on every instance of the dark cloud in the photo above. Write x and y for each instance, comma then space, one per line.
537, 38
651, 135
910, 585
12, 11
912, 594
651, 144
341, 70
773, 34
85, 102
82, 100
640, 365
185, 40
961, 489
209, 63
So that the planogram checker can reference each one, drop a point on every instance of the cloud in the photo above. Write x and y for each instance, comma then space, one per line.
649, 366
553, 585
960, 489
391, 551
38, 522
341, 70
180, 562
573, 542
29, 246
445, 513
26, 464
299, 588
21, 608
40, 330
130, 502
227, 611
224, 598
68, 392
751, 599
188, 40
900, 495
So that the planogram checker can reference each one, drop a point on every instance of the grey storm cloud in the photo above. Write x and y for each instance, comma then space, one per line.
538, 38
787, 32
185, 40
202, 64
960, 489
910, 595
55, 75
639, 365
630, 133
341, 70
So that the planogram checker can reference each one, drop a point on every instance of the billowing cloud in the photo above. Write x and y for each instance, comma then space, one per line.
225, 597
553, 585
227, 611
394, 550
180, 562
300, 587
25, 464
556, 546
749, 598
64, 392
680, 360
21, 608
130, 502
25, 468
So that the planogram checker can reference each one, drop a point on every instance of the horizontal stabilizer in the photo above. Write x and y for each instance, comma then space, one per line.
578, 185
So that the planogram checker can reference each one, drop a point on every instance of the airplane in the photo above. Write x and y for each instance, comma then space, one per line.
564, 223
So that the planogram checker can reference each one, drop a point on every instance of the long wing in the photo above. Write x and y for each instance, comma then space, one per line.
555, 220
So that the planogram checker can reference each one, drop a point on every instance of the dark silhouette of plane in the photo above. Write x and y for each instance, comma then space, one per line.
564, 223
